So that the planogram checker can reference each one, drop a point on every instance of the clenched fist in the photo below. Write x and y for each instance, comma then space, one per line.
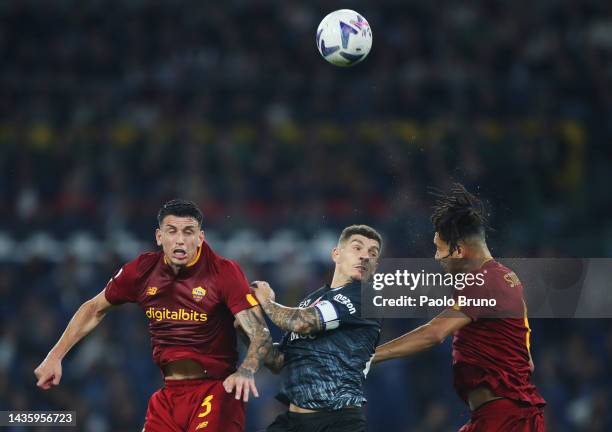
49, 373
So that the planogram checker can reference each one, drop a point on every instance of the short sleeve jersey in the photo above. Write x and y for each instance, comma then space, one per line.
494, 352
190, 313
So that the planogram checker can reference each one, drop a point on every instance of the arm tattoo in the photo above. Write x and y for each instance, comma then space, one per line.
275, 360
260, 340
243, 337
299, 320
245, 373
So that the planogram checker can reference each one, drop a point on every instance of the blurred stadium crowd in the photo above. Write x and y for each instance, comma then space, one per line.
109, 108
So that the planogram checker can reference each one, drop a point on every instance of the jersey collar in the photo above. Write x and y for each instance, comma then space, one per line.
487, 263
196, 258
329, 288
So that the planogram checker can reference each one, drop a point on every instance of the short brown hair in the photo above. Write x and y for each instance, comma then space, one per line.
364, 230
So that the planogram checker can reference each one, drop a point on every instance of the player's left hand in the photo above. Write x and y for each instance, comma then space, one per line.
263, 291
244, 382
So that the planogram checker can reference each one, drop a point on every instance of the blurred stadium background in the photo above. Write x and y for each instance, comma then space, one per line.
109, 108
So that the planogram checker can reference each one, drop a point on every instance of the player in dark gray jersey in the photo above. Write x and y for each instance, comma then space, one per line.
325, 354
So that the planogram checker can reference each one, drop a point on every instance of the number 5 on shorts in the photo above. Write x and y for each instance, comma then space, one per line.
207, 409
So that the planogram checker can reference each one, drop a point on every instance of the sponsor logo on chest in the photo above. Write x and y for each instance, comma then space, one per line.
342, 299
165, 304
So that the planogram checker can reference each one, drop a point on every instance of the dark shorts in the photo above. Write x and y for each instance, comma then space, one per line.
344, 420
505, 415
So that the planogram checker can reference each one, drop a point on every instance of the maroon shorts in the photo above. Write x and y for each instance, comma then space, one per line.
194, 405
505, 415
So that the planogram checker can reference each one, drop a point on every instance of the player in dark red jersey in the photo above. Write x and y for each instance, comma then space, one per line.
492, 363
191, 296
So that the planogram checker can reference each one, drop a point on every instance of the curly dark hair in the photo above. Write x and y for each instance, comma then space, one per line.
457, 215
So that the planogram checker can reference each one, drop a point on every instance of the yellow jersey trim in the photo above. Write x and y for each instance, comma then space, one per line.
197, 257
252, 301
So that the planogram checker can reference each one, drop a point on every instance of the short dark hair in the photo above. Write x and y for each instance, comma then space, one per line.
180, 208
458, 215
364, 230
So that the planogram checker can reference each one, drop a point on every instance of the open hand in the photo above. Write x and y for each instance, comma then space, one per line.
243, 380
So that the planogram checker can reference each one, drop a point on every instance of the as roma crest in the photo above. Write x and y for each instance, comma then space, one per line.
198, 293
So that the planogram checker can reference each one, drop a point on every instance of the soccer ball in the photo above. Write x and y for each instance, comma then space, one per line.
344, 38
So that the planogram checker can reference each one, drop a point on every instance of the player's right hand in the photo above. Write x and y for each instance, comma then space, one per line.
48, 373
263, 291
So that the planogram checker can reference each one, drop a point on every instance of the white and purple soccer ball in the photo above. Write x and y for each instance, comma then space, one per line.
344, 38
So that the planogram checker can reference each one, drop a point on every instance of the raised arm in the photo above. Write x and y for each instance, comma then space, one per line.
254, 326
423, 337
299, 320
86, 318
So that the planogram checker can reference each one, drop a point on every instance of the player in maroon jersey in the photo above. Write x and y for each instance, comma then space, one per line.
492, 363
191, 296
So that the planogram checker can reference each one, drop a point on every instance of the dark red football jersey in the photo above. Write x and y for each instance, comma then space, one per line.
191, 314
494, 352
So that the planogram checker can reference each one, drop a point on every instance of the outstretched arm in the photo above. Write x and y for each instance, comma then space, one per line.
260, 342
423, 337
86, 318
299, 320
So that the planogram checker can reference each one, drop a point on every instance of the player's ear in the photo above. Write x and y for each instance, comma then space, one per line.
158, 235
201, 238
335, 253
